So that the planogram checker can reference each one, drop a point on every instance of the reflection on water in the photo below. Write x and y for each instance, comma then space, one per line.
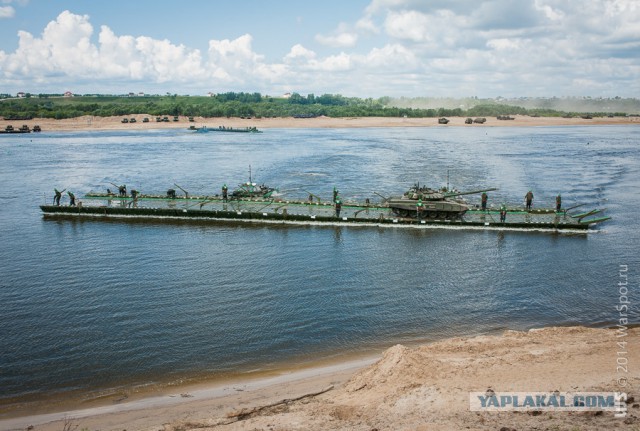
90, 304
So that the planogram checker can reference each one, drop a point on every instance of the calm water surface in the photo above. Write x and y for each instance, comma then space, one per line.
90, 306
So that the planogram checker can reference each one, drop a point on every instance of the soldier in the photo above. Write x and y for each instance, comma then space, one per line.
558, 202
335, 194
134, 194
338, 205
419, 208
171, 193
122, 190
72, 199
529, 199
57, 196
484, 201
503, 213
225, 191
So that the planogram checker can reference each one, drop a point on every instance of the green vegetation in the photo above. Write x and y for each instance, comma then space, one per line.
256, 105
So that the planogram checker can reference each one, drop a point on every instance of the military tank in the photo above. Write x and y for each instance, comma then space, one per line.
252, 190
431, 203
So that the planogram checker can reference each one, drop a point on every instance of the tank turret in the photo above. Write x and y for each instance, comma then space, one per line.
436, 204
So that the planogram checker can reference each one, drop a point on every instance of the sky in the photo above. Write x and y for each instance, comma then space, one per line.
357, 48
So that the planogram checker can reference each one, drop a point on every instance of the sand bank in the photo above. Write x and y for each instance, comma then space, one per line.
421, 388
115, 123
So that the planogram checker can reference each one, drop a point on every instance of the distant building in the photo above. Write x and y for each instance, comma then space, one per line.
141, 94
68, 94
21, 94
286, 95
210, 94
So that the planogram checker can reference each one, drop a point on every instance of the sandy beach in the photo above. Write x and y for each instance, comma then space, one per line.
115, 123
408, 388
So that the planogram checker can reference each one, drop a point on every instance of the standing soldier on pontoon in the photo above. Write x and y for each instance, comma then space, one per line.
57, 196
503, 213
529, 199
558, 202
335, 194
419, 208
484, 201
72, 199
338, 205
225, 190
122, 190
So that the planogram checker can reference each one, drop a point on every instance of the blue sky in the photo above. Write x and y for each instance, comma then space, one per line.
363, 48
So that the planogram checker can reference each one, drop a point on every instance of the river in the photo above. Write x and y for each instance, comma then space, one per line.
92, 307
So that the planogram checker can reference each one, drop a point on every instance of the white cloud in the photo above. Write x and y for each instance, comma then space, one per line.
367, 25
410, 25
391, 57
461, 47
7, 12
299, 52
333, 63
233, 60
342, 37
503, 44
341, 40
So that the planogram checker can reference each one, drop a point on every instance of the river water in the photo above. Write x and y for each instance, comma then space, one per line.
92, 307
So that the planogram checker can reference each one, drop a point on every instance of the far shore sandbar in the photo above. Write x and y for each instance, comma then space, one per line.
86, 123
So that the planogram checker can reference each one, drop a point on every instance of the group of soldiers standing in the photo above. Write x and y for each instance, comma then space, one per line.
528, 201
58, 195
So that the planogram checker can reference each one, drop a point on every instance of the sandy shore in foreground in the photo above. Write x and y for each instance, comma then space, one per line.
115, 123
421, 388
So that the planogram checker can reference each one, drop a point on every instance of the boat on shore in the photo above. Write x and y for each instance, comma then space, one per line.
205, 129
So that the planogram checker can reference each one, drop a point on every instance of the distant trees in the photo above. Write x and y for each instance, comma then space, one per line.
241, 104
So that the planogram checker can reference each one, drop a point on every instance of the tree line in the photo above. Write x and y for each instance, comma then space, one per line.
234, 104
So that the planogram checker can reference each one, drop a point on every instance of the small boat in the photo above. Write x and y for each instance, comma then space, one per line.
205, 129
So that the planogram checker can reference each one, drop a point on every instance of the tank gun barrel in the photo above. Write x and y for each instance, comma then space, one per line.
473, 192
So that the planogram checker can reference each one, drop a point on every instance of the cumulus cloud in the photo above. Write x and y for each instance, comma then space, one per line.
299, 52
7, 12
342, 40
447, 47
342, 37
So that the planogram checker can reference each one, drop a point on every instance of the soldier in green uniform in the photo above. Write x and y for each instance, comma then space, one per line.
558, 203
503, 213
528, 199
72, 199
57, 196
225, 191
338, 205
